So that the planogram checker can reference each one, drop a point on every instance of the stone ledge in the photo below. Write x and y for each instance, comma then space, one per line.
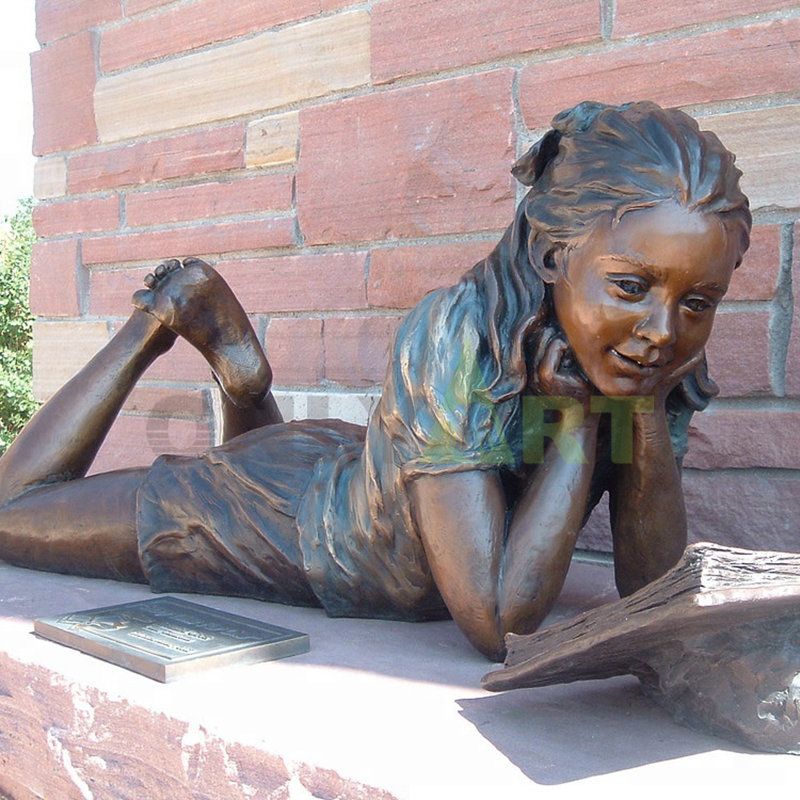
376, 710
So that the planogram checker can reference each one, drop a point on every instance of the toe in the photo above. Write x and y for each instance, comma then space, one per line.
172, 264
144, 300
150, 280
161, 270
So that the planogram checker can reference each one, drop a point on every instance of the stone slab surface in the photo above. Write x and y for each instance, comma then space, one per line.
375, 710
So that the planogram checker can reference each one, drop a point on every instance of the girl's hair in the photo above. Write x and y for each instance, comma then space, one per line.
598, 161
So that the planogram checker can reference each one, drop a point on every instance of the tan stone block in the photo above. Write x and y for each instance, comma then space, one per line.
348, 406
356, 408
285, 401
765, 143
272, 140
60, 349
50, 177
267, 71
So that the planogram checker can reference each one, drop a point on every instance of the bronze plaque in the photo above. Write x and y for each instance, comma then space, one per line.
166, 637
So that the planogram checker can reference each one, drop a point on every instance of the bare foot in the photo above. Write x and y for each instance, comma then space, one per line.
192, 300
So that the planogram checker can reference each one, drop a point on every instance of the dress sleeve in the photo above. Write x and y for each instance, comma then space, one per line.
436, 399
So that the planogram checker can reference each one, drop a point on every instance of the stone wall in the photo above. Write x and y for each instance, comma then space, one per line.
336, 161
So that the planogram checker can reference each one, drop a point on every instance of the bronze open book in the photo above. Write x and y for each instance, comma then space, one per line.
716, 641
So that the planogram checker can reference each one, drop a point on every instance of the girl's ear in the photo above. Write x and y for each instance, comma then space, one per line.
547, 259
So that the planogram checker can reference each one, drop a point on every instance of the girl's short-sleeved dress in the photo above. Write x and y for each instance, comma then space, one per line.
317, 512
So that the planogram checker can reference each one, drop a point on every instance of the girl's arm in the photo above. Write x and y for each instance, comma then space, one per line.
648, 514
544, 528
495, 583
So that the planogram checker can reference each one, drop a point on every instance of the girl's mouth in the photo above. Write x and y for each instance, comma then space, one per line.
632, 365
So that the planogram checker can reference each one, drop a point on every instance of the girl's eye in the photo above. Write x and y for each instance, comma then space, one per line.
630, 288
697, 304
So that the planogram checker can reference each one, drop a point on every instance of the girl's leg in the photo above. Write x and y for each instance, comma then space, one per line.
61, 441
82, 527
48, 519
191, 299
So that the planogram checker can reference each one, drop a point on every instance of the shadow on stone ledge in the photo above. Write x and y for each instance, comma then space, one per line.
577, 731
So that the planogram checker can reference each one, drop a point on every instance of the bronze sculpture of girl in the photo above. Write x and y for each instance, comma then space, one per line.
605, 285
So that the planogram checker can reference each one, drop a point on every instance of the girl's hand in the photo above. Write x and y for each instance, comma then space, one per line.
672, 378
556, 373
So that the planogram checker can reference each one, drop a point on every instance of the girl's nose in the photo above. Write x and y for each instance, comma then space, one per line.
657, 327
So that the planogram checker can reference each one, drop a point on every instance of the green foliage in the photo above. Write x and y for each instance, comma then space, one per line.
16, 363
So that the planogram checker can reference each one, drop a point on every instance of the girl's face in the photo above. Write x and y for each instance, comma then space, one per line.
637, 301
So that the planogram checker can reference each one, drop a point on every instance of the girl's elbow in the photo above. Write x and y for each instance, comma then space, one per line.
485, 634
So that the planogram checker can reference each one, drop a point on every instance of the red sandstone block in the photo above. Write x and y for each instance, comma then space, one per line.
400, 277
635, 16
53, 288
298, 283
181, 363
185, 27
738, 353
294, 349
675, 72
57, 18
223, 237
755, 509
135, 441
793, 356
357, 349
215, 150
63, 79
137, 6
76, 216
263, 285
758, 510
163, 401
133, 7
209, 200
734, 438
410, 161
321, 782
413, 36
757, 277
110, 290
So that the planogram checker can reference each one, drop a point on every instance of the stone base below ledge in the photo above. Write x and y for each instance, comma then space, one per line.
376, 710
